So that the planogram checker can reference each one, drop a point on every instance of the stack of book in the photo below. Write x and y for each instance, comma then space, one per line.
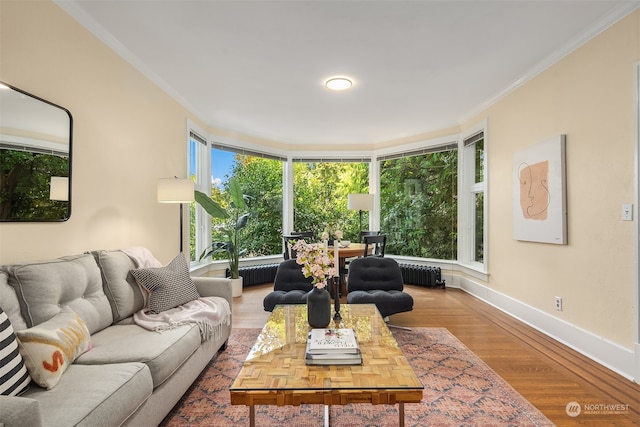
333, 347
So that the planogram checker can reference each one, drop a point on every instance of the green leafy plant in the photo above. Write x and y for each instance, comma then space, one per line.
236, 219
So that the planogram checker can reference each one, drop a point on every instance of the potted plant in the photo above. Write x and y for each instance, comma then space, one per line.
236, 219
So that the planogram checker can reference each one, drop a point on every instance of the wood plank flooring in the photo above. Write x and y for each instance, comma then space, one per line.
547, 373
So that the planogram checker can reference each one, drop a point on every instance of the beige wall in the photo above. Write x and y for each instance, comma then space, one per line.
128, 133
589, 96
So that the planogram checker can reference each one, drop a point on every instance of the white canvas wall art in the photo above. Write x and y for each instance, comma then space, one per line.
539, 193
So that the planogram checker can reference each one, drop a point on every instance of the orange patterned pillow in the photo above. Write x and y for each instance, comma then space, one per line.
50, 347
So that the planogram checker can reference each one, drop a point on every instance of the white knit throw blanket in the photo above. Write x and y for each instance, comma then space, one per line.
208, 313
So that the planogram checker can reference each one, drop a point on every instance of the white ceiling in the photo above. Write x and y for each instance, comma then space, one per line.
258, 67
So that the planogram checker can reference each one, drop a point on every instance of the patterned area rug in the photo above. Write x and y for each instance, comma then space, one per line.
460, 390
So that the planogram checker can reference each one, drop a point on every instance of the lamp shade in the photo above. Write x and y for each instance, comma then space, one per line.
360, 202
175, 190
59, 188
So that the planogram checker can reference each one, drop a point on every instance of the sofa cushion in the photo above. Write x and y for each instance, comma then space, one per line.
94, 396
170, 286
9, 303
120, 286
43, 288
14, 378
50, 347
163, 352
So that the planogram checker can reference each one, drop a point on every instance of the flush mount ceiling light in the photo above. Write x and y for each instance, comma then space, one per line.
338, 83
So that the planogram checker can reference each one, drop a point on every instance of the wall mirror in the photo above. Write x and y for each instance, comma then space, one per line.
35, 158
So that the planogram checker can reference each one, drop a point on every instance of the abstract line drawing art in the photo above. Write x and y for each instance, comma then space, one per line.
534, 190
539, 193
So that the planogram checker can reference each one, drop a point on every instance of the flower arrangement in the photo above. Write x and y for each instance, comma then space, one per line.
315, 262
331, 231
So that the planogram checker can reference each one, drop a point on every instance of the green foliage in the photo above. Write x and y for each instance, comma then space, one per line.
320, 196
24, 186
419, 205
261, 180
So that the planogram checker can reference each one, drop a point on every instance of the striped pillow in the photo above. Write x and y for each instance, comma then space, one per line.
14, 378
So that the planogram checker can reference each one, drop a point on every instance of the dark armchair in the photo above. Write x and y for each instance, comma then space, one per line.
378, 280
289, 286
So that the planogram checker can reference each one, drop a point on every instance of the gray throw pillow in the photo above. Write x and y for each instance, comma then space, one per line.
169, 286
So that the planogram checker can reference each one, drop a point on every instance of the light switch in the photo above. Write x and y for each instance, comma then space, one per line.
627, 212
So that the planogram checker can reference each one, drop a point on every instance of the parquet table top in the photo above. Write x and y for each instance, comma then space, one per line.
275, 372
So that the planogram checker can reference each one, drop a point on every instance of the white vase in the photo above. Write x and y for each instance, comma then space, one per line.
236, 287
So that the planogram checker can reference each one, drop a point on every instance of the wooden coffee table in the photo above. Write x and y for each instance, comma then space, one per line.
275, 373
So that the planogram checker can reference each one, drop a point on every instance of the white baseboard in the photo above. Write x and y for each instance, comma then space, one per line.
637, 368
621, 360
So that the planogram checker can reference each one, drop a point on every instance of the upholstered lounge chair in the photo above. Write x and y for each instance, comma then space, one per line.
289, 286
377, 280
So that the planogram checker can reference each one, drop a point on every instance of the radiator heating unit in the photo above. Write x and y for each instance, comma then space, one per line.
422, 275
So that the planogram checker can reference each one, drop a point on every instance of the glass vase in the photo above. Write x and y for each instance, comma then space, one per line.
318, 308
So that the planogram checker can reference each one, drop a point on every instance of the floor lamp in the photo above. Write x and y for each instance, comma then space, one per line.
59, 188
176, 190
360, 202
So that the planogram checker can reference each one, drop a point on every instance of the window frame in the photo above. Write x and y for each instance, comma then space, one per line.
469, 189
202, 233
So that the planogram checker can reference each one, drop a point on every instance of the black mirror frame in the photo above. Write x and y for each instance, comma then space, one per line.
70, 157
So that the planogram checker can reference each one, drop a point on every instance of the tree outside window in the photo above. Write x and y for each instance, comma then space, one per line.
418, 198
320, 192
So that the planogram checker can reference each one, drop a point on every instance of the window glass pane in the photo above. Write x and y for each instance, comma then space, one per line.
479, 155
320, 196
196, 149
479, 228
418, 197
260, 179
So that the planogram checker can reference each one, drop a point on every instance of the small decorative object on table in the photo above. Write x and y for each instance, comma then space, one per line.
318, 308
318, 264
336, 300
333, 347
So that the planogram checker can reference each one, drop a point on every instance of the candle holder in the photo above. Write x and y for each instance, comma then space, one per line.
336, 300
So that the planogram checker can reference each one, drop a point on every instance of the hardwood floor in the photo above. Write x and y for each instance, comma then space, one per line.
547, 373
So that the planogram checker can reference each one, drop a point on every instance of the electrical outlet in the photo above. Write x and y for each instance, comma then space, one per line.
627, 212
559, 303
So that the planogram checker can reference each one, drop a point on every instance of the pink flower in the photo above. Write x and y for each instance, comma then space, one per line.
315, 262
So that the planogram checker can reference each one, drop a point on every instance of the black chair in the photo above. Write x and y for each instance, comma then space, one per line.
364, 233
378, 244
289, 253
289, 286
377, 280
